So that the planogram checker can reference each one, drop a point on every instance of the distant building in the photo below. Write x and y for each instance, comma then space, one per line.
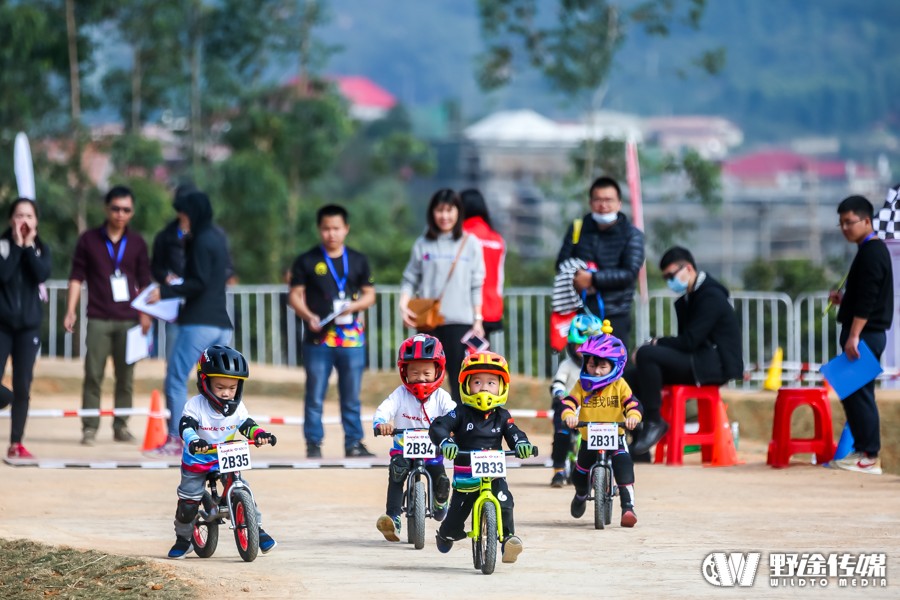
368, 101
711, 137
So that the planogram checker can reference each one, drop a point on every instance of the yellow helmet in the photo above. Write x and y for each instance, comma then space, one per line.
484, 362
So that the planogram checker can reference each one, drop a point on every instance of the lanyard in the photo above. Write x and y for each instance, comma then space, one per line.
117, 259
342, 282
867, 238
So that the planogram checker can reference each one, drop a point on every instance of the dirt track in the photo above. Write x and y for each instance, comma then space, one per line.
329, 547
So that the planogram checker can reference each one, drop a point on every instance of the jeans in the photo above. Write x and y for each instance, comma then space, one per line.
190, 343
105, 338
319, 361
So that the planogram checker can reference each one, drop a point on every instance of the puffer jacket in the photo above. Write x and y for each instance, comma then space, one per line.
617, 253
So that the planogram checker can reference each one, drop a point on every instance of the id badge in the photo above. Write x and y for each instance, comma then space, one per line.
119, 284
345, 319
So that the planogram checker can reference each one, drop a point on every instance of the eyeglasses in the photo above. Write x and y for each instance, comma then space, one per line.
671, 276
120, 209
849, 224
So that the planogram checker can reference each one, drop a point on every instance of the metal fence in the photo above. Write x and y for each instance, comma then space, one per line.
267, 330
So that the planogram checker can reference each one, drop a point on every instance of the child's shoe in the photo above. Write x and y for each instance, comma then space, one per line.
389, 527
559, 479
444, 545
578, 506
512, 548
266, 541
629, 519
440, 511
182, 547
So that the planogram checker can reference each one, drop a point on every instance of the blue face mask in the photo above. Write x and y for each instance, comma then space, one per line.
676, 285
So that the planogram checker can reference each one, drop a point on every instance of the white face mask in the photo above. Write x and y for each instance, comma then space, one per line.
605, 218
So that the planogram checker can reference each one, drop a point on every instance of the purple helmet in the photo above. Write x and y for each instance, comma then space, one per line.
602, 346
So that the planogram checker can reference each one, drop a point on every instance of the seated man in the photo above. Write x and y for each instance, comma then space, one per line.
706, 351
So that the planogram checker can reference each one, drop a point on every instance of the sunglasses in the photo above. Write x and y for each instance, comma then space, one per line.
121, 209
671, 276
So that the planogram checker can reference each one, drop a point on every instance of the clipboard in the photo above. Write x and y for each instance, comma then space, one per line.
166, 310
846, 376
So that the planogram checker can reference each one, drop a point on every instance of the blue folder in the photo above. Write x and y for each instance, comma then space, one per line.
846, 376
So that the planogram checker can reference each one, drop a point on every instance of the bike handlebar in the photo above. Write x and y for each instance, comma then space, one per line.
396, 431
534, 451
586, 423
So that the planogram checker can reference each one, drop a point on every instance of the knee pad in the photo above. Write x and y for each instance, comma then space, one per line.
399, 468
187, 510
442, 489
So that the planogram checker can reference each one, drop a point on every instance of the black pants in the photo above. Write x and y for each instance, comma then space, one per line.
561, 436
655, 367
454, 525
623, 467
450, 336
23, 346
860, 407
397, 473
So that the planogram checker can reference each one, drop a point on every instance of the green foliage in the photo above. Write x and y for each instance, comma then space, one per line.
136, 154
529, 272
704, 177
791, 276
402, 155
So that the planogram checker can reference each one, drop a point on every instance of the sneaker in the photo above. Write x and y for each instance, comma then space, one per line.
88, 437
182, 547
862, 464
18, 451
358, 451
512, 548
313, 450
578, 507
123, 435
559, 479
389, 527
629, 519
266, 541
444, 545
173, 447
440, 511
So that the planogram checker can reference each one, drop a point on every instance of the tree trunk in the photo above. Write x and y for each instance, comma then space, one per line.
74, 80
136, 79
196, 48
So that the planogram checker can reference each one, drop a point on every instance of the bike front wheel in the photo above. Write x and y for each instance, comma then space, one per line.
417, 518
246, 525
205, 536
488, 537
601, 500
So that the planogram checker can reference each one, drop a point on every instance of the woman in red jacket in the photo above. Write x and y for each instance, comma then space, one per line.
478, 223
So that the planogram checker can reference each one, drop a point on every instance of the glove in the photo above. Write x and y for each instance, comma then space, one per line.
265, 436
449, 449
524, 449
198, 445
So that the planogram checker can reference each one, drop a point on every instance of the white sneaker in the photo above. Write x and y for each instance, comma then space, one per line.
173, 447
863, 464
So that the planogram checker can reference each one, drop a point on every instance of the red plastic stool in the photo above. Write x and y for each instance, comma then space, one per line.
783, 446
671, 446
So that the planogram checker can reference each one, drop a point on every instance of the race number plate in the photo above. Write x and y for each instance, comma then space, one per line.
603, 436
488, 463
234, 457
417, 444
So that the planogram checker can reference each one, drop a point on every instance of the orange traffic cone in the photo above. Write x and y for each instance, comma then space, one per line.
156, 425
724, 453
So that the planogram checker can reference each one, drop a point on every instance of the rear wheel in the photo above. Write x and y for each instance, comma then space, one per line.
417, 519
205, 536
488, 538
246, 525
598, 480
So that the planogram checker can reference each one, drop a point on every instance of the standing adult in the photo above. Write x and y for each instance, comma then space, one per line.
706, 351
24, 265
613, 251
446, 264
865, 313
112, 259
478, 224
203, 320
331, 285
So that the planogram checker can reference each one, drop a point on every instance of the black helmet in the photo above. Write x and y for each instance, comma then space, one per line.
222, 361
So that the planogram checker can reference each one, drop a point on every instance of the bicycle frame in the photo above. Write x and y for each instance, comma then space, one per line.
485, 494
229, 481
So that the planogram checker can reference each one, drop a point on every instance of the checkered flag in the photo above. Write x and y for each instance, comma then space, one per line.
887, 221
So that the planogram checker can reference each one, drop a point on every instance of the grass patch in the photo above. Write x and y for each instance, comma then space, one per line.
30, 570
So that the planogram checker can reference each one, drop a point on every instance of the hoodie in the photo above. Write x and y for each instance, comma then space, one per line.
205, 268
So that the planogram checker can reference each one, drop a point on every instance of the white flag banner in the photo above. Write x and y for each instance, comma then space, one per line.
24, 167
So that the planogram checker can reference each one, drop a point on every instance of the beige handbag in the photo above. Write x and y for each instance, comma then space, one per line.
428, 310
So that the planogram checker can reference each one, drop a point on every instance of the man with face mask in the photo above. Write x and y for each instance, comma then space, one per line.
706, 351
613, 249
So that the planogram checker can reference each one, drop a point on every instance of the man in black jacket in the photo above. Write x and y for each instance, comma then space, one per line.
706, 351
613, 249
866, 312
203, 319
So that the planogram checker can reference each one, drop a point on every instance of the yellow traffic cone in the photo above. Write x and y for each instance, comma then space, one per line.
773, 377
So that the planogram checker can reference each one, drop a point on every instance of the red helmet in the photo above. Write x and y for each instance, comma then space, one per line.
422, 347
